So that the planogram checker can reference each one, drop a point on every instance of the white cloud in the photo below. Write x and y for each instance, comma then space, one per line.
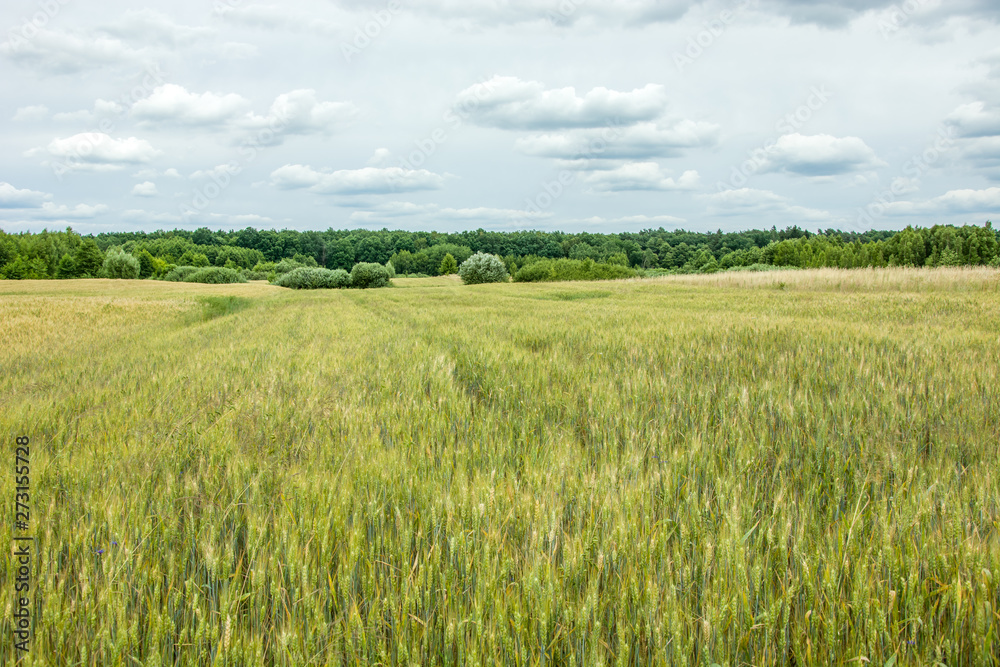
508, 103
11, 197
59, 52
171, 103
238, 51
217, 172
954, 202
380, 157
639, 176
820, 155
299, 112
644, 221
147, 189
96, 151
147, 25
975, 120
31, 113
102, 108
482, 14
428, 214
747, 201
368, 180
78, 212
230, 220
278, 17
644, 140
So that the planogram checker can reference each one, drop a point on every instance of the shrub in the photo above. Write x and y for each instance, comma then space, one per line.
120, 265
572, 269
216, 275
180, 274
254, 275
391, 269
365, 275
314, 278
483, 268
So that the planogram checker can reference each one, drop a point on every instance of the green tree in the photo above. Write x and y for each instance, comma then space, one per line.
448, 265
192, 258
89, 259
67, 267
340, 255
147, 266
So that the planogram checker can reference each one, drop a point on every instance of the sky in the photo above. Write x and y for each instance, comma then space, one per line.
572, 115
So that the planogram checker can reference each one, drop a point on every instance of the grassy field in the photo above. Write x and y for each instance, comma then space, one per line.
782, 468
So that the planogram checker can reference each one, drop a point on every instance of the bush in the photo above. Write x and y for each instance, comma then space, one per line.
216, 275
314, 278
483, 268
365, 275
179, 274
120, 265
254, 275
546, 270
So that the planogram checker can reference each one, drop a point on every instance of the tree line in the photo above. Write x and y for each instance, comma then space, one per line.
67, 254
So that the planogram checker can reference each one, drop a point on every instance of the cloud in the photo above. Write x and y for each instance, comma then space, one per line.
102, 108
11, 197
975, 120
31, 113
645, 221
639, 176
58, 52
278, 17
492, 13
149, 26
508, 103
218, 171
300, 112
820, 155
95, 151
140, 216
748, 201
78, 212
147, 189
368, 180
238, 50
643, 140
173, 104
954, 202
434, 213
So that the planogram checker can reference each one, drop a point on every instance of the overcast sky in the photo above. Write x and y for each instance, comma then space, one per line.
598, 115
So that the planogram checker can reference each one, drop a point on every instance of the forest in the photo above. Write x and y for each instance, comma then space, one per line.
68, 254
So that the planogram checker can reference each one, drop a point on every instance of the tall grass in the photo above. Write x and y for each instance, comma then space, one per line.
648, 472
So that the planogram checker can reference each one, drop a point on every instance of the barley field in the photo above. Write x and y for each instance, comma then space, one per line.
792, 468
